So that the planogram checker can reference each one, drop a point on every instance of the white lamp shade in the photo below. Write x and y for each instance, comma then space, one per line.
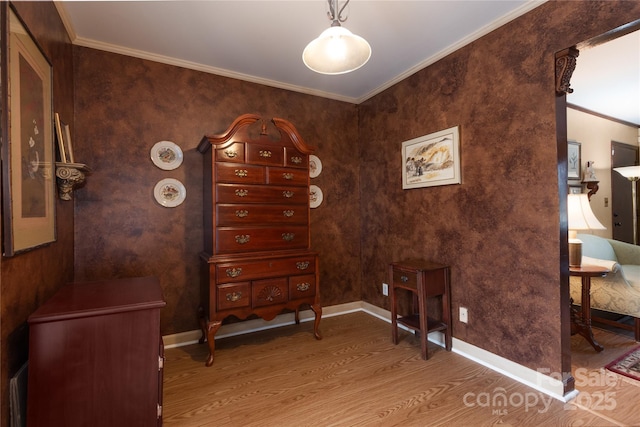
336, 51
581, 217
629, 172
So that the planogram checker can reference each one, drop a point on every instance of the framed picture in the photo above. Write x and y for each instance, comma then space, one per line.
28, 169
432, 159
63, 134
573, 160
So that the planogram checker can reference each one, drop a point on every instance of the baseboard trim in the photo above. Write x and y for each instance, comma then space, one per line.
524, 375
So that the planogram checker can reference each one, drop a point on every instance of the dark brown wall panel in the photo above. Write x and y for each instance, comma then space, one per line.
125, 105
499, 229
29, 279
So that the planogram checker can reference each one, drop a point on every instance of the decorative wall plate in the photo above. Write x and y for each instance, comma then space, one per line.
166, 155
315, 196
315, 166
169, 192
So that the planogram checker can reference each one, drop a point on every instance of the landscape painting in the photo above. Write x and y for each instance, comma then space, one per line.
432, 160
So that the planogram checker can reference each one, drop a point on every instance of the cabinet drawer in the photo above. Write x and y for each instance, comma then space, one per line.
241, 174
234, 193
269, 292
302, 286
287, 176
237, 215
247, 270
265, 154
234, 240
233, 295
405, 278
233, 153
295, 159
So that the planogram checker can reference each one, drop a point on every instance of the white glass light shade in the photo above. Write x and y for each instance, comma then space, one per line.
336, 51
581, 217
629, 172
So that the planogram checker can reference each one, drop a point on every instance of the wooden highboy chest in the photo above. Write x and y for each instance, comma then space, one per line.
257, 258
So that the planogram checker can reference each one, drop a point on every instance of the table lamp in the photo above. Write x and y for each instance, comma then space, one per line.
581, 217
632, 173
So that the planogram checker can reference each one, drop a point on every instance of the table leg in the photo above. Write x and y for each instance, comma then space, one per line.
584, 327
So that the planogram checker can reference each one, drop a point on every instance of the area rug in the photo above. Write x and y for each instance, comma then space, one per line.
627, 365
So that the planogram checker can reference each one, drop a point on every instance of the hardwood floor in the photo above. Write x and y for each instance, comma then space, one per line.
355, 376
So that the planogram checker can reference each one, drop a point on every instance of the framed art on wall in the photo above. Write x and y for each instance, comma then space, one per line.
432, 159
573, 160
28, 172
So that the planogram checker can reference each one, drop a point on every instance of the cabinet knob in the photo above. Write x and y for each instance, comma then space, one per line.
265, 153
288, 194
404, 279
288, 213
302, 265
242, 173
242, 193
287, 175
287, 237
241, 239
242, 213
233, 272
230, 154
302, 287
296, 160
234, 296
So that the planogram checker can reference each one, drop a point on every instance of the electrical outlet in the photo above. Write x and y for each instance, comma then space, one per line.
385, 289
464, 315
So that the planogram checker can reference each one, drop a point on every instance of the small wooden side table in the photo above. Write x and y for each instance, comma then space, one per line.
581, 322
424, 280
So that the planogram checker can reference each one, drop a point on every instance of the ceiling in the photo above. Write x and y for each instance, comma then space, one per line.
262, 41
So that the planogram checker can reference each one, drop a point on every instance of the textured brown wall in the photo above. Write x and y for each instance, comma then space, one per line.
499, 230
124, 106
29, 279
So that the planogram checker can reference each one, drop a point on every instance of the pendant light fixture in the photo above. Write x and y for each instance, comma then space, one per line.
337, 50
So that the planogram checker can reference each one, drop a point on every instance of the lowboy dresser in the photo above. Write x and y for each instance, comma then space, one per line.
257, 258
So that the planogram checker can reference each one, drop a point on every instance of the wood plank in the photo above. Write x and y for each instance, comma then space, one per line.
355, 376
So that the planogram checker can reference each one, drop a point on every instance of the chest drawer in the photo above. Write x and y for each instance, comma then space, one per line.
269, 291
234, 240
288, 176
234, 193
241, 271
241, 174
295, 159
234, 295
265, 154
302, 286
238, 215
233, 153
434, 279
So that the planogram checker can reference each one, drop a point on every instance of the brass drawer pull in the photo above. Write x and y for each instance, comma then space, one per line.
242, 193
242, 173
233, 272
265, 153
242, 213
287, 237
303, 287
230, 154
288, 194
287, 175
235, 296
241, 239
288, 213
404, 279
296, 160
302, 265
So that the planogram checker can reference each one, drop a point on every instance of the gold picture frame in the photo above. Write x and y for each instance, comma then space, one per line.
27, 127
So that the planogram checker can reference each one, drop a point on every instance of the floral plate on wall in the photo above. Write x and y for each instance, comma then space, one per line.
169, 192
166, 155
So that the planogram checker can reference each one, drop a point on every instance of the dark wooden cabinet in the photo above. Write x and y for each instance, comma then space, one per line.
257, 258
96, 356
